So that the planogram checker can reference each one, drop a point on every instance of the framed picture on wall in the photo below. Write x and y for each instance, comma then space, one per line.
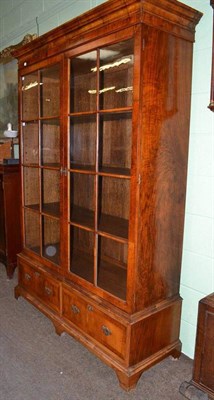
9, 85
8, 95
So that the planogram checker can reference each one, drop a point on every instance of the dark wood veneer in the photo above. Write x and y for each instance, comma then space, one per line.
203, 371
10, 224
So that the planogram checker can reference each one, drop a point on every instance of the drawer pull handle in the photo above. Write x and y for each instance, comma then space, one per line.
37, 274
106, 331
90, 308
48, 291
75, 309
27, 277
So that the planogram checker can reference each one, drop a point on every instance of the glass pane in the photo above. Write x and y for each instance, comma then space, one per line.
30, 109
50, 143
114, 206
112, 266
115, 143
51, 239
32, 231
30, 132
82, 253
31, 188
83, 83
50, 91
83, 142
51, 192
116, 75
82, 199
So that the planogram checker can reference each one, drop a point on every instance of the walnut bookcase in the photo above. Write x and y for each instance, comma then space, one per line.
104, 122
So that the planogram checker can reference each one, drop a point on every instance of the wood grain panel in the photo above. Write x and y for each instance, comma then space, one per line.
164, 152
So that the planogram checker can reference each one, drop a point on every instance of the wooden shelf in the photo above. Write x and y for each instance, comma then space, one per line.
83, 216
112, 279
109, 171
83, 265
114, 171
34, 207
82, 167
51, 209
109, 224
113, 225
51, 165
52, 120
30, 165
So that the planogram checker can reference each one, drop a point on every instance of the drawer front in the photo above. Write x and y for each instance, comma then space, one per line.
51, 292
94, 322
30, 279
40, 285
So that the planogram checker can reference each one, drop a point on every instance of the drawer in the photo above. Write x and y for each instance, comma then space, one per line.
40, 284
29, 278
94, 322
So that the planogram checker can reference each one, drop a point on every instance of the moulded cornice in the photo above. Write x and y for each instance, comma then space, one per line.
168, 15
7, 54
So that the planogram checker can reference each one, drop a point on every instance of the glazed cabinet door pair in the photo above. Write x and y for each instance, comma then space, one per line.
77, 120
41, 162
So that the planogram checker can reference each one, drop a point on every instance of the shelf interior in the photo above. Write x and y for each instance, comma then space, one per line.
98, 163
51, 209
82, 216
82, 253
113, 225
110, 261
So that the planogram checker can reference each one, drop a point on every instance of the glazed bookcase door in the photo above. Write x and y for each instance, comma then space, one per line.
41, 161
100, 120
